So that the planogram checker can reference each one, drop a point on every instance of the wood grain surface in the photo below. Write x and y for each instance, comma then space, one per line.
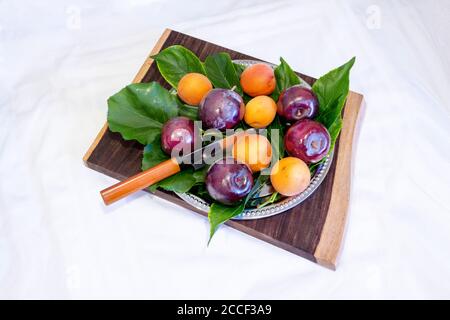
313, 229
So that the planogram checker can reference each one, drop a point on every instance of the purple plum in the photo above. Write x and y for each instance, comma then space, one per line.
229, 181
307, 140
221, 109
178, 130
296, 103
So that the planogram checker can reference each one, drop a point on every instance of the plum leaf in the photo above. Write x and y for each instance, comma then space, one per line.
331, 91
139, 111
188, 111
153, 154
239, 69
222, 72
181, 182
285, 77
220, 213
175, 61
276, 138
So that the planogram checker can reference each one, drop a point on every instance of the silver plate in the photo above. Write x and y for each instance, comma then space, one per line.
280, 206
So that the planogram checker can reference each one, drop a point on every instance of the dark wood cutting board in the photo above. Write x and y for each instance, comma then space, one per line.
313, 229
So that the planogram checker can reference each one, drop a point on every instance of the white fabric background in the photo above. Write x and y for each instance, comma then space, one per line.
59, 62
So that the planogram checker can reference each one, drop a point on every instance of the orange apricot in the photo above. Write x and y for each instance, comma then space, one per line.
193, 87
290, 176
260, 112
258, 80
254, 150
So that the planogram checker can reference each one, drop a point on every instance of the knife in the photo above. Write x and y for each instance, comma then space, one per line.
196, 159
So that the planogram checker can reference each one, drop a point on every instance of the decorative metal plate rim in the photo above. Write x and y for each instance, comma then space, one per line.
278, 207
275, 208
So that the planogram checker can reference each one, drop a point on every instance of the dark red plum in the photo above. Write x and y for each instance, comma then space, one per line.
221, 109
178, 130
229, 181
296, 103
307, 140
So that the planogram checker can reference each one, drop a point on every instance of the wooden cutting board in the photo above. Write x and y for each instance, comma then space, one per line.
314, 229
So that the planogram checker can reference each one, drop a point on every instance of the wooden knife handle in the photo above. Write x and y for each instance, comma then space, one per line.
140, 181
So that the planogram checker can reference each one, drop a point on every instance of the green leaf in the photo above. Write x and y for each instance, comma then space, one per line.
181, 182
246, 98
331, 91
175, 61
285, 77
200, 175
220, 213
277, 146
258, 184
185, 110
139, 111
270, 199
242, 126
239, 68
153, 154
200, 190
313, 167
221, 71
188, 111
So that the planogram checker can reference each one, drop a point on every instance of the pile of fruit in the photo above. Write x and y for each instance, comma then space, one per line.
286, 127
